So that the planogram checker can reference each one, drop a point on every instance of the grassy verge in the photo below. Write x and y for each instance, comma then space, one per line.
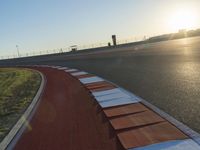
17, 89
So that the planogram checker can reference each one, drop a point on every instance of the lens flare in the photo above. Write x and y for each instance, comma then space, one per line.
183, 19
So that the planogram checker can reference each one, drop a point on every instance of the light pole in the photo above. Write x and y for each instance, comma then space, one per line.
17, 50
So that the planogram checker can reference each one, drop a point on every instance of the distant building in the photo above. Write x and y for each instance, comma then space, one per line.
74, 48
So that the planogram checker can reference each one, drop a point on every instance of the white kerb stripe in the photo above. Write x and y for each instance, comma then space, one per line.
131, 94
57, 67
90, 80
53, 67
187, 144
106, 92
112, 96
117, 102
71, 70
62, 68
79, 73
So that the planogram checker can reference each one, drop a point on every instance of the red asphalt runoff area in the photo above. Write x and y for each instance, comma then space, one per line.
67, 118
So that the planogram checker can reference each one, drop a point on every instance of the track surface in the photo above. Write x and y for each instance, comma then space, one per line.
67, 118
165, 73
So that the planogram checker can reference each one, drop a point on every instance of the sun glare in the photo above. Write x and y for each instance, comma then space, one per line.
183, 19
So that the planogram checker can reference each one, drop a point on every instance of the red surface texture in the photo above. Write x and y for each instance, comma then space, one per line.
67, 119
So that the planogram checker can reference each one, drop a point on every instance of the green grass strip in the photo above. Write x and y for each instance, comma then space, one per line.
17, 89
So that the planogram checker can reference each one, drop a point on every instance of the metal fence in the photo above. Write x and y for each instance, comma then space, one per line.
68, 49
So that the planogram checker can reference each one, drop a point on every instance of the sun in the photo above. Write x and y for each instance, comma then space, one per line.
183, 19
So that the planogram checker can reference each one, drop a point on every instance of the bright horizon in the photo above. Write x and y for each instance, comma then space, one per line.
50, 24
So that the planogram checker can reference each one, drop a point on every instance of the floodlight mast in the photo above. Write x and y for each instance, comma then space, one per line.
17, 50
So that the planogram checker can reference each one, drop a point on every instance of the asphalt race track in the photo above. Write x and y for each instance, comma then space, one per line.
167, 74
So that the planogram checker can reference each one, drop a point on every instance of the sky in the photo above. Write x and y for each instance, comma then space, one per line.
37, 25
